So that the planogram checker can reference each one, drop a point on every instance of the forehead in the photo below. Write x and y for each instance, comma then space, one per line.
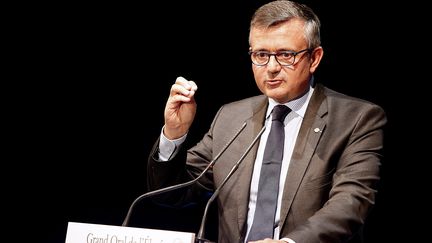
289, 34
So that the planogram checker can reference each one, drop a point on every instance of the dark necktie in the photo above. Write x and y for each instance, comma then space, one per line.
268, 187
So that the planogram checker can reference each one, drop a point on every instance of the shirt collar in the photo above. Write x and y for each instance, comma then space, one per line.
297, 105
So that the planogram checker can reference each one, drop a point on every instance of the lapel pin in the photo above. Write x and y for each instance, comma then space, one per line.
317, 129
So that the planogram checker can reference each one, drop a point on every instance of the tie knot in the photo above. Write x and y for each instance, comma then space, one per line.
280, 112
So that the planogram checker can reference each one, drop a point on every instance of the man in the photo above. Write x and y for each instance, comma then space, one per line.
332, 143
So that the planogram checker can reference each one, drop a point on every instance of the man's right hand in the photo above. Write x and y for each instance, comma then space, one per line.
180, 108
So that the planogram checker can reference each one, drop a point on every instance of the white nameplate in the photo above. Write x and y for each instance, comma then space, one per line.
98, 233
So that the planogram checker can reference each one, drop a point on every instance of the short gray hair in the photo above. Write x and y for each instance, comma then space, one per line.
279, 11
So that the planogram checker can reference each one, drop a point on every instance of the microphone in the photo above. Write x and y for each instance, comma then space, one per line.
177, 186
200, 237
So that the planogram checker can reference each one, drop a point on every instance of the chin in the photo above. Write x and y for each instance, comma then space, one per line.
281, 98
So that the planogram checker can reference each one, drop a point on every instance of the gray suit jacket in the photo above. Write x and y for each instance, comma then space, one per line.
332, 177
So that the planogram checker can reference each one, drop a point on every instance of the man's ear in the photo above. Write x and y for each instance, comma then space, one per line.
316, 56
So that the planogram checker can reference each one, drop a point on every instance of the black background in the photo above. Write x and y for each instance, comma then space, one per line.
96, 77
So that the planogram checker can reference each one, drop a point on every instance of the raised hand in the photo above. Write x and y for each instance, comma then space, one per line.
180, 108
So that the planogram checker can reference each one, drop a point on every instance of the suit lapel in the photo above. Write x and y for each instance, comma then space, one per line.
254, 125
310, 132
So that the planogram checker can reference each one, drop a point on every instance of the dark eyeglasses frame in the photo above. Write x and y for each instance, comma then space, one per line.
294, 53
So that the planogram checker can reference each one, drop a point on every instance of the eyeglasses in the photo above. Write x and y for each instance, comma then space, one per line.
284, 58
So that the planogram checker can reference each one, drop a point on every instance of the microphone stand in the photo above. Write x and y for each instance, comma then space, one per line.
200, 237
188, 183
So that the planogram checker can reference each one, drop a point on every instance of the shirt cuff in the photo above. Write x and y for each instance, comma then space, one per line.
169, 148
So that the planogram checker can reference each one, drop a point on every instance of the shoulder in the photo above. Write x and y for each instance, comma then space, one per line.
341, 110
243, 109
250, 102
347, 103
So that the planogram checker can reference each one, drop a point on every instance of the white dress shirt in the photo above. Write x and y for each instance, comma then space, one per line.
292, 124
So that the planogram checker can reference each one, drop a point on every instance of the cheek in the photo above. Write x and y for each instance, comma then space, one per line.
258, 72
259, 76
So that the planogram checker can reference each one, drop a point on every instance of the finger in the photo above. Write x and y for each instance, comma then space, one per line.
187, 84
184, 87
193, 85
177, 89
183, 82
192, 90
178, 98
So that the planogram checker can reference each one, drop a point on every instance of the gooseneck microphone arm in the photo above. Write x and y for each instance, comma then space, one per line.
200, 237
188, 183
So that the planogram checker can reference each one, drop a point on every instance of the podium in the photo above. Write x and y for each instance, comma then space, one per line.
99, 233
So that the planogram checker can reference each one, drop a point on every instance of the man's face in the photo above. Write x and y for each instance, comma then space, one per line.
283, 83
